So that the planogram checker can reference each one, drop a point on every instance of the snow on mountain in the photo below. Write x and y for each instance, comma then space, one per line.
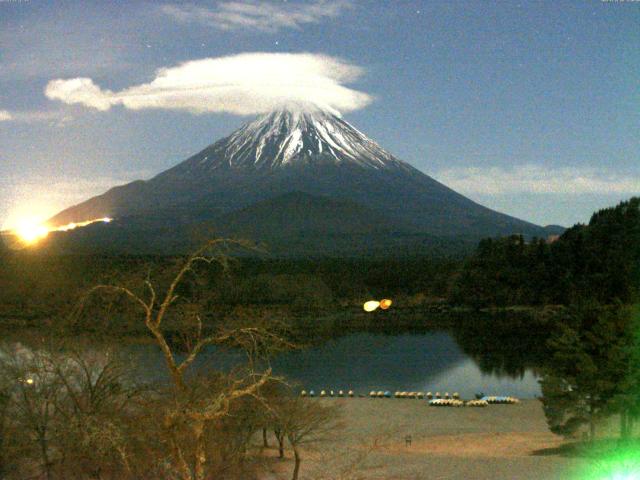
292, 137
297, 170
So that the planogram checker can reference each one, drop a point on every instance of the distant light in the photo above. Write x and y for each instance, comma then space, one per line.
371, 305
385, 303
29, 381
74, 225
31, 231
620, 463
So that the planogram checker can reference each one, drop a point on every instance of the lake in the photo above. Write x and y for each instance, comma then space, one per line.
430, 361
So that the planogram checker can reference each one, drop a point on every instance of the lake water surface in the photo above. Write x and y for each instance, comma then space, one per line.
362, 362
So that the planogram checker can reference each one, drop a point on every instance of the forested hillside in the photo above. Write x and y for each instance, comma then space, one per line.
599, 262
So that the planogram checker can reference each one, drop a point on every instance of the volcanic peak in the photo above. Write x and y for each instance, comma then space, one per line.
292, 136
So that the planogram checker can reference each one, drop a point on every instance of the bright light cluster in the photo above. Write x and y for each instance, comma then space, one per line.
373, 305
73, 226
31, 231
621, 463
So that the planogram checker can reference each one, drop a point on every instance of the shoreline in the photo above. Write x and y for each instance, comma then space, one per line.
491, 443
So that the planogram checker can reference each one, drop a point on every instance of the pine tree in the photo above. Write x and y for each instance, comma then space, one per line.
589, 370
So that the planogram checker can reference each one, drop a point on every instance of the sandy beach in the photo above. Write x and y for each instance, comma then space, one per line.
495, 442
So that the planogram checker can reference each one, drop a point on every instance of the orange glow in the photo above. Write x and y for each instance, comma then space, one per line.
73, 226
385, 303
30, 231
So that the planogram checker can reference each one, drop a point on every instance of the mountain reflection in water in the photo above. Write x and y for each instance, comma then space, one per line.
431, 361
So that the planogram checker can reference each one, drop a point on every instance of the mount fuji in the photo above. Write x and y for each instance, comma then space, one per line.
303, 181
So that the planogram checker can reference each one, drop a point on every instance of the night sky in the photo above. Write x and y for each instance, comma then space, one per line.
531, 108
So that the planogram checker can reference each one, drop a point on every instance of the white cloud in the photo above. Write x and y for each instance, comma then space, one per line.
257, 15
538, 180
80, 90
243, 84
54, 117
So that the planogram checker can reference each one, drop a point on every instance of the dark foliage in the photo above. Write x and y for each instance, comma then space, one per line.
588, 375
37, 289
599, 261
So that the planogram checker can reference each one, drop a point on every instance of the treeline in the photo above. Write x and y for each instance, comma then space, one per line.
37, 287
599, 261
341, 280
596, 262
591, 369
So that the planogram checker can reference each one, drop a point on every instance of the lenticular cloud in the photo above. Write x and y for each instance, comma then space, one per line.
245, 84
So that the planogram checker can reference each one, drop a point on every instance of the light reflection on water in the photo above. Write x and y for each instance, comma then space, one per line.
474, 381
367, 361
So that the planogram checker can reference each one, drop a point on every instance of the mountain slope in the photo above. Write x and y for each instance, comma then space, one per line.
313, 153
298, 213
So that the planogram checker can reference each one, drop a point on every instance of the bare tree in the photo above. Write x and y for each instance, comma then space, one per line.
189, 416
64, 412
95, 406
304, 421
78, 414
34, 391
5, 401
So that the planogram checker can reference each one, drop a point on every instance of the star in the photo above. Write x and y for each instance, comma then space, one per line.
277, 42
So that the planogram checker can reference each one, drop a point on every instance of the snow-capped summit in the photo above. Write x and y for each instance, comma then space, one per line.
302, 178
292, 136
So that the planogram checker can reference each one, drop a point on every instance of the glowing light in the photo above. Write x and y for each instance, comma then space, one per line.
371, 305
385, 303
31, 231
73, 225
613, 463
